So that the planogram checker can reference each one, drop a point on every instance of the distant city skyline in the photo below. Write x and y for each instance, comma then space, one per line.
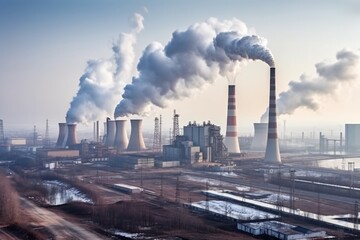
45, 47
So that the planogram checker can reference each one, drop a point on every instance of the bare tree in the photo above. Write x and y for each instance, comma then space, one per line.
9, 203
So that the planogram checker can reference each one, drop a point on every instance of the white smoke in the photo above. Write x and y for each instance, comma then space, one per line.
102, 83
201, 54
330, 76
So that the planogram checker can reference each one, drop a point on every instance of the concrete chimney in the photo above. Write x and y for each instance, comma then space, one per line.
62, 135
260, 137
136, 142
272, 153
231, 139
110, 132
121, 139
71, 138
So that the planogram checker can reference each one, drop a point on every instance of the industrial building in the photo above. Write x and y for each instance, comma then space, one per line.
127, 188
280, 230
199, 143
58, 153
132, 161
352, 138
16, 141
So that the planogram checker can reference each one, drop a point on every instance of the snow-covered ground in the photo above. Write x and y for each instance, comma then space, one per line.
61, 193
274, 198
235, 211
226, 174
243, 188
210, 181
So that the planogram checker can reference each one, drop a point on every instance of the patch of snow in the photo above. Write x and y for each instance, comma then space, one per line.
243, 188
227, 174
274, 198
235, 211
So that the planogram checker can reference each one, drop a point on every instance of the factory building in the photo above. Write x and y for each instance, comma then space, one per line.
280, 230
199, 143
352, 138
16, 141
132, 161
58, 153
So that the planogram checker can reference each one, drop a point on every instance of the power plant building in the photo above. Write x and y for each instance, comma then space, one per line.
352, 138
199, 143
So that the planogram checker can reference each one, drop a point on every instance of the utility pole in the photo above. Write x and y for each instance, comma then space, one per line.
292, 192
161, 185
2, 136
356, 214
318, 205
177, 190
207, 196
278, 202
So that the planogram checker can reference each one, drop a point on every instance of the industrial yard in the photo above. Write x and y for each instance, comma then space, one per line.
184, 125
197, 202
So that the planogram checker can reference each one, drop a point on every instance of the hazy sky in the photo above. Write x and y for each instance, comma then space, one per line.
45, 46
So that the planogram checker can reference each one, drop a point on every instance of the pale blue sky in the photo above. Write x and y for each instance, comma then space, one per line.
45, 44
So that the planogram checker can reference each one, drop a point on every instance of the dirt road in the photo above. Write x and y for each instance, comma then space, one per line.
58, 226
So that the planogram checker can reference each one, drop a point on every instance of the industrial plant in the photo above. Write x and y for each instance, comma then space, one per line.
269, 186
123, 178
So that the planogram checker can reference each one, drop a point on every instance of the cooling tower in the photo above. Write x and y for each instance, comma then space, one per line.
71, 138
272, 153
136, 142
231, 139
62, 135
110, 133
121, 138
260, 137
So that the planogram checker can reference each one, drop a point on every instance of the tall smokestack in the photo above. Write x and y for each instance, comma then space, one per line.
260, 137
272, 153
231, 139
110, 132
97, 132
71, 138
136, 142
121, 139
62, 135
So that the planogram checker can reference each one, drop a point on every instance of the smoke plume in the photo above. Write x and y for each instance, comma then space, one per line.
201, 54
103, 81
330, 76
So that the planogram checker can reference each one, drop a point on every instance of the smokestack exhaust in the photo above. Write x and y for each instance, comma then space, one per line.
260, 137
71, 138
272, 153
121, 139
62, 135
136, 142
231, 139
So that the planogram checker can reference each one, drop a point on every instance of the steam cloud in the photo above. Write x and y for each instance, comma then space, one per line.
102, 83
330, 76
204, 52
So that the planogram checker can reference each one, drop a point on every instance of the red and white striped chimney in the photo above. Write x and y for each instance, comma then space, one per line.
272, 153
231, 139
